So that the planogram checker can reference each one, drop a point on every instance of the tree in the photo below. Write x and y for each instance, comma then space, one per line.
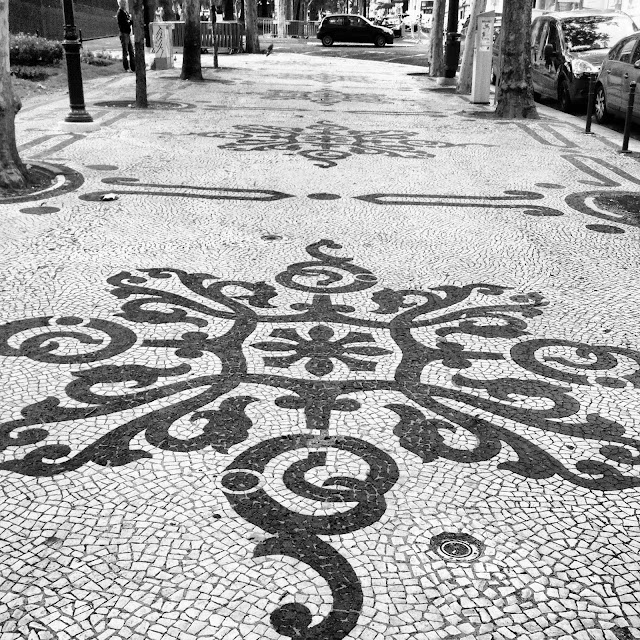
13, 173
213, 18
191, 60
329, 6
281, 18
167, 7
466, 68
141, 68
515, 86
251, 26
228, 11
436, 50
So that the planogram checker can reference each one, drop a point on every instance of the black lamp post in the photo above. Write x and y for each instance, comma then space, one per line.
71, 46
452, 43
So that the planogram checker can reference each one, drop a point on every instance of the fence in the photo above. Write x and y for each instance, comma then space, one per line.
293, 28
228, 35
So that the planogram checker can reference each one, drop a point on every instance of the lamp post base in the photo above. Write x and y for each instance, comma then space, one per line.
78, 127
79, 115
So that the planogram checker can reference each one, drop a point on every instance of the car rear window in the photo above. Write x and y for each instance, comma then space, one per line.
333, 21
595, 32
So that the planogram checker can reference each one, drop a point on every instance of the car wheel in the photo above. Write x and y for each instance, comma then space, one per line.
564, 98
600, 107
379, 41
327, 41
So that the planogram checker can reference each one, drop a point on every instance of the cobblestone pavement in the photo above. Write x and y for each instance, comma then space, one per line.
336, 358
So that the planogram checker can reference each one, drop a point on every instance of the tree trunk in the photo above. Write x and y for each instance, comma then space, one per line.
13, 173
141, 68
167, 6
251, 26
191, 61
228, 11
436, 47
515, 89
213, 18
281, 17
466, 68
147, 19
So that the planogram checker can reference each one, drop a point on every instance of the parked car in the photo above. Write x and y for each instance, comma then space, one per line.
567, 48
393, 23
620, 68
352, 28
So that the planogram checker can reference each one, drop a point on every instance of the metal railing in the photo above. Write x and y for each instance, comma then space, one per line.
293, 28
228, 35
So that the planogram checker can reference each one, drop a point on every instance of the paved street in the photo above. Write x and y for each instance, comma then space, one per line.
316, 350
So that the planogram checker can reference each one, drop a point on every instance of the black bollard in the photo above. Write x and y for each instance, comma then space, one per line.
452, 41
627, 121
590, 103
71, 47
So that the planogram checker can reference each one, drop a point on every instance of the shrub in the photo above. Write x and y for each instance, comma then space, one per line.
36, 74
32, 50
98, 58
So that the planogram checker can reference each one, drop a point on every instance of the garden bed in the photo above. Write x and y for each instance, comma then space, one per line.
38, 67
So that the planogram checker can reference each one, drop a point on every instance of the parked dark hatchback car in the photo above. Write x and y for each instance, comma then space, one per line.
352, 28
619, 70
567, 48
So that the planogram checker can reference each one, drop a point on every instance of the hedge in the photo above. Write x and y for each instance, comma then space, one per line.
32, 50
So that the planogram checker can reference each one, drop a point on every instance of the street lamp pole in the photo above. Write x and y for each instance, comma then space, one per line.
452, 43
71, 46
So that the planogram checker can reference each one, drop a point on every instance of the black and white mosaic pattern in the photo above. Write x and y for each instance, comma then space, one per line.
319, 351
327, 143
216, 426
325, 339
323, 96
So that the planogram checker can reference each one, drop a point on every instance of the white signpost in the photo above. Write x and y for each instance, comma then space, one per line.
162, 39
483, 51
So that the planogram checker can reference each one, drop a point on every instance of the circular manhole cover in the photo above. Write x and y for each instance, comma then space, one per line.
459, 547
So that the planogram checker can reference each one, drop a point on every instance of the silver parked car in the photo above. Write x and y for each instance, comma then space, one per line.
619, 69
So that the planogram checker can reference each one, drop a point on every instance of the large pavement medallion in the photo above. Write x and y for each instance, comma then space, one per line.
310, 419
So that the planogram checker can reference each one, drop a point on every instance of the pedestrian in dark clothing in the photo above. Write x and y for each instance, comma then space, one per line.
124, 24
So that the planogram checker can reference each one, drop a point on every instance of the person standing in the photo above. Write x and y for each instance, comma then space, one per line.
124, 25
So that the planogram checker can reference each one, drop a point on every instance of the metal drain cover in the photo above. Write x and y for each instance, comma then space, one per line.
459, 547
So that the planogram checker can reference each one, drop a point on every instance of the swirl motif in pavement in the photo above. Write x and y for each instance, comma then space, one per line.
323, 337
310, 349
